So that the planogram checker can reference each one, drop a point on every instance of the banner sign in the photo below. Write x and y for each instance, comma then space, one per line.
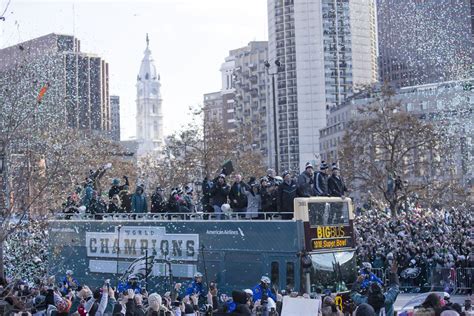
136, 241
328, 237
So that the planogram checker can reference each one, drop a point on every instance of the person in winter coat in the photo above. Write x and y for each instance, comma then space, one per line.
254, 201
115, 205
188, 199
219, 193
126, 199
430, 307
96, 305
337, 188
139, 202
116, 187
263, 289
369, 277
173, 201
336, 184
329, 307
242, 304
287, 192
321, 180
158, 203
97, 205
155, 306
237, 196
206, 188
87, 193
381, 302
306, 182
69, 282
197, 288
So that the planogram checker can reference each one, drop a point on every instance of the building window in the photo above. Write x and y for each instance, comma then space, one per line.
155, 129
290, 274
275, 273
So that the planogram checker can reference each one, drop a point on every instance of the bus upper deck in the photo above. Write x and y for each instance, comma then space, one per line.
234, 251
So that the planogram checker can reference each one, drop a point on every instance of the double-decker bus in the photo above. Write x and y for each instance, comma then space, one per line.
235, 252
329, 242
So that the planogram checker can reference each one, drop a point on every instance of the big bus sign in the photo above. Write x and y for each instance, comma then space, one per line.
328, 223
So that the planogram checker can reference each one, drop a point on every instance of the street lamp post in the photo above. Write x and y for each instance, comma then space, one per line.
2, 156
119, 227
275, 130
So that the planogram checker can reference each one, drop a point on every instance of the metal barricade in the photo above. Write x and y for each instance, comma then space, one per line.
443, 279
379, 273
229, 216
464, 278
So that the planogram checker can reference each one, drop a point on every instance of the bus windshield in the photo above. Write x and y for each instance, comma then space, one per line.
335, 271
328, 213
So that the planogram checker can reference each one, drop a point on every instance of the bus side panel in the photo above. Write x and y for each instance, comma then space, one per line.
232, 253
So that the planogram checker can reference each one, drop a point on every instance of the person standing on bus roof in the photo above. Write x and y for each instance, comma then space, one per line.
286, 195
321, 180
306, 182
262, 291
237, 196
335, 183
139, 202
219, 193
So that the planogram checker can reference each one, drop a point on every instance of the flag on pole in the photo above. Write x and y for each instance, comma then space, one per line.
42, 92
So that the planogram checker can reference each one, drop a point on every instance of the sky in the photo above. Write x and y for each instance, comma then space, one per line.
189, 40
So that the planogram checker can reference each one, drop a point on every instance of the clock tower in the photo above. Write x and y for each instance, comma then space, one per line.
149, 113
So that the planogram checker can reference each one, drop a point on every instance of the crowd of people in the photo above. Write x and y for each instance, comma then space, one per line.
70, 297
427, 244
222, 194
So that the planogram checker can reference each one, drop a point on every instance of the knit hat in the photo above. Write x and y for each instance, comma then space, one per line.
222, 176
308, 165
115, 182
239, 297
328, 301
82, 311
365, 310
63, 305
323, 165
154, 301
334, 166
285, 173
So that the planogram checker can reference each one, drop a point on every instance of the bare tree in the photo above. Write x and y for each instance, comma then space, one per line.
42, 158
396, 155
196, 151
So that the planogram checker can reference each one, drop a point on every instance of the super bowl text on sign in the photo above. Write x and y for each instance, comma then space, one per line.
135, 241
328, 237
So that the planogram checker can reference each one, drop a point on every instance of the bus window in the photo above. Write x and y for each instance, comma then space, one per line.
323, 214
334, 271
290, 275
275, 274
